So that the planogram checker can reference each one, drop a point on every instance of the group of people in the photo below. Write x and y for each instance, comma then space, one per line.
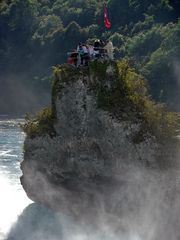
87, 52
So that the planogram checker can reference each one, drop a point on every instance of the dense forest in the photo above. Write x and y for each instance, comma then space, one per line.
37, 34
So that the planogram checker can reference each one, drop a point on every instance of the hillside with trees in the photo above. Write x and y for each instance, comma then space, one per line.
35, 35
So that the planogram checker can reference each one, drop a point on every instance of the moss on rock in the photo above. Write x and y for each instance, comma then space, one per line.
118, 90
124, 94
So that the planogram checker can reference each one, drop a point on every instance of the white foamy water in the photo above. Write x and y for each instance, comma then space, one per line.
13, 198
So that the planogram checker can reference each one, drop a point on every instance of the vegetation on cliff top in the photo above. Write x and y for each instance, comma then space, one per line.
120, 91
41, 124
124, 94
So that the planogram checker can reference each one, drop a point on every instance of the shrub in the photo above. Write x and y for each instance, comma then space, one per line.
127, 96
41, 125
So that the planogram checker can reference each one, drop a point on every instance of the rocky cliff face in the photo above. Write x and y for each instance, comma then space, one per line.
89, 149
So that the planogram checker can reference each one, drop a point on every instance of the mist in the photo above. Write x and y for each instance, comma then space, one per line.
174, 76
177, 71
19, 95
143, 204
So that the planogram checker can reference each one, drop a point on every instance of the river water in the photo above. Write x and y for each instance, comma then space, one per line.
20, 218
13, 198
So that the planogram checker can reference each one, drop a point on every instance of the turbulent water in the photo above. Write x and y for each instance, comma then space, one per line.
13, 198
20, 219
149, 206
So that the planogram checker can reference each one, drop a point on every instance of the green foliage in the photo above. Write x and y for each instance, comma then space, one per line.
126, 98
38, 34
117, 39
145, 42
161, 123
120, 91
41, 125
143, 25
126, 91
160, 70
48, 26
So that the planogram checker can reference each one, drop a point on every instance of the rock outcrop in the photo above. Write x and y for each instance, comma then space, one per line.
96, 131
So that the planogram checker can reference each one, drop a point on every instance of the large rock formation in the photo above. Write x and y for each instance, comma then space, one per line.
100, 129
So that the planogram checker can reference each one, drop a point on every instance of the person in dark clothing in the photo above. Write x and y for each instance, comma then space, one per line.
101, 49
97, 45
85, 55
97, 48
80, 51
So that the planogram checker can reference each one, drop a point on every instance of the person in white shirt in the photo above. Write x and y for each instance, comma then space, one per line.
85, 55
91, 51
110, 50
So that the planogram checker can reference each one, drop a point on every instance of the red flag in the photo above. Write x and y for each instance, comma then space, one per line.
106, 20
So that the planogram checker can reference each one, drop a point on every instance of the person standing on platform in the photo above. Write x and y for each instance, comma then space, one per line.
110, 50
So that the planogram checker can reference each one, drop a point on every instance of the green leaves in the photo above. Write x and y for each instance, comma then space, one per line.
34, 35
47, 28
41, 125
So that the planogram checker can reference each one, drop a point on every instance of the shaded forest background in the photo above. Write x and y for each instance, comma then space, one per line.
37, 34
